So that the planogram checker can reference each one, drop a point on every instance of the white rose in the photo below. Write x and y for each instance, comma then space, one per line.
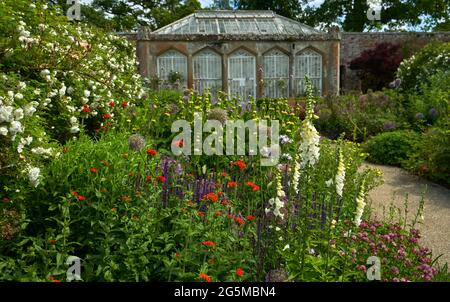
18, 114
3, 131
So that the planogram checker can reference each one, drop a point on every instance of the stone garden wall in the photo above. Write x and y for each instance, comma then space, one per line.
354, 43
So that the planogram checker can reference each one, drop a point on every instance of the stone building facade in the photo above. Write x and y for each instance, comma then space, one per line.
244, 53
277, 52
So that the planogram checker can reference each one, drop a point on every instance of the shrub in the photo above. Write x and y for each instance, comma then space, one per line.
418, 70
56, 78
431, 157
391, 148
359, 117
377, 66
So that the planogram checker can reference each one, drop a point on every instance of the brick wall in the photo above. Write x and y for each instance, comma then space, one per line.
352, 44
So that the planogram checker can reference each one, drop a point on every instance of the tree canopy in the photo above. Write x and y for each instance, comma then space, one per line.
350, 15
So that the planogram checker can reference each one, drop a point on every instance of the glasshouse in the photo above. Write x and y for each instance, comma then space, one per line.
244, 53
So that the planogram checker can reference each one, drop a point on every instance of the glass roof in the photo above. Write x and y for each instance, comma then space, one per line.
215, 22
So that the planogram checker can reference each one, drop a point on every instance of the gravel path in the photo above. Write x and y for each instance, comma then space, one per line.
436, 227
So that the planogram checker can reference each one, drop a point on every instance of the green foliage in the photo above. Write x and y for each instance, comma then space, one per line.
359, 117
419, 69
352, 15
392, 148
432, 155
129, 15
56, 79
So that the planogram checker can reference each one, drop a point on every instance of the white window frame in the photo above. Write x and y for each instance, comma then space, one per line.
308, 62
207, 68
276, 69
243, 85
172, 60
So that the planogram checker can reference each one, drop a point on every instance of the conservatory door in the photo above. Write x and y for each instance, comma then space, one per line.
242, 75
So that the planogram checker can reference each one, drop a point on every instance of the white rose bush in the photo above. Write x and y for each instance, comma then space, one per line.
57, 79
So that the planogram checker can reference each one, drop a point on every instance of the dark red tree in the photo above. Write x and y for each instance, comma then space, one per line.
376, 67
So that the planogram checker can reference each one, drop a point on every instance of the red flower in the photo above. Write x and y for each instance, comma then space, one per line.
253, 186
225, 202
54, 279
151, 152
178, 254
211, 196
112, 104
205, 277
224, 174
201, 214
160, 179
239, 220
179, 143
217, 213
124, 104
208, 243
81, 198
93, 170
106, 115
239, 272
232, 184
74, 193
239, 164
148, 178
250, 217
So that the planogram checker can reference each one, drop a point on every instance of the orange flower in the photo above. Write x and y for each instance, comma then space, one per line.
52, 241
179, 143
211, 196
205, 277
209, 243
239, 272
125, 198
240, 164
239, 220
151, 152
254, 187
105, 163
160, 179
224, 174
201, 214
217, 213
54, 279
178, 254
232, 184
